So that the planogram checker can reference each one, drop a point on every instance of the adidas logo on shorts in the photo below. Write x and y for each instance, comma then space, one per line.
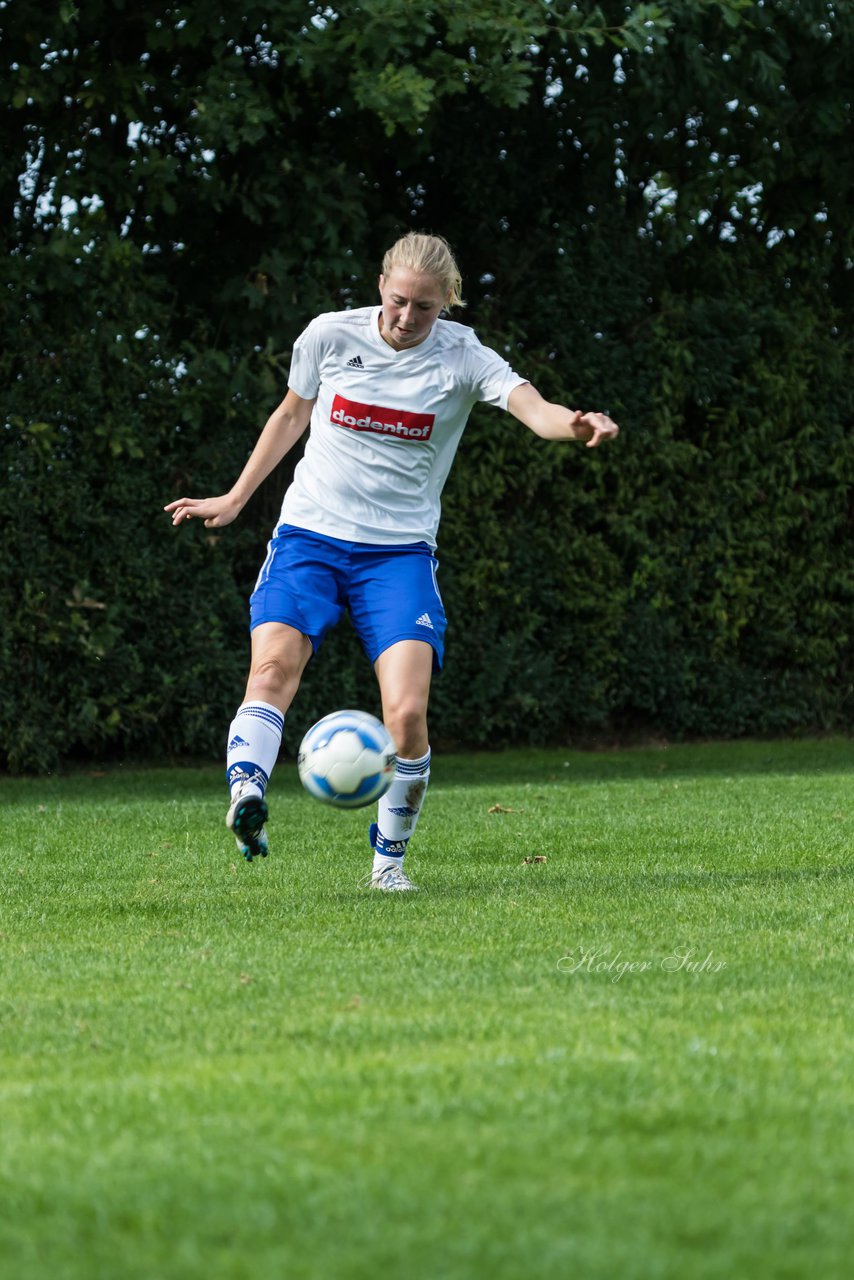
355, 363
424, 621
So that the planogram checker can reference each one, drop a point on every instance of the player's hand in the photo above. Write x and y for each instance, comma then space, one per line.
600, 426
214, 511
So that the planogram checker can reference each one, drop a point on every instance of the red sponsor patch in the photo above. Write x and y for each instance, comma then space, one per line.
399, 423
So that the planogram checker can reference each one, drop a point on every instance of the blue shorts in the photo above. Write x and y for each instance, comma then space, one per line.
391, 593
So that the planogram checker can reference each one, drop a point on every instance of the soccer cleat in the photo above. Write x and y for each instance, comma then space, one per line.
390, 876
246, 818
391, 879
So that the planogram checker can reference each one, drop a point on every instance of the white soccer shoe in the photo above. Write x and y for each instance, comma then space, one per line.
390, 879
245, 819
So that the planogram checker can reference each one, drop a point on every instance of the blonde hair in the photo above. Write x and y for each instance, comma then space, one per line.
429, 256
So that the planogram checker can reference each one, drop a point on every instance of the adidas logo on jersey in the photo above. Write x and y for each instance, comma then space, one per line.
355, 363
237, 741
424, 621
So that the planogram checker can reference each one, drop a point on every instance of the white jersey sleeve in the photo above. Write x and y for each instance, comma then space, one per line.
304, 377
492, 378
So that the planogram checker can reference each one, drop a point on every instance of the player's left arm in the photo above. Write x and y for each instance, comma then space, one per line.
555, 422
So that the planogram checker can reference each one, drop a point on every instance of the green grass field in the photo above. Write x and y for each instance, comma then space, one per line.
633, 1059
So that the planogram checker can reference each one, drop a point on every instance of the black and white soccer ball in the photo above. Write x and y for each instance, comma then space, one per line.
347, 759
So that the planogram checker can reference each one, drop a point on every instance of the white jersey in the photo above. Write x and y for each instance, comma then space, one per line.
386, 424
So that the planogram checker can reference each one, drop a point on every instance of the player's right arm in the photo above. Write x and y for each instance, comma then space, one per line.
282, 430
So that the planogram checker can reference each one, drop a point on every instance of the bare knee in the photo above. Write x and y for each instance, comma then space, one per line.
407, 724
278, 662
270, 681
404, 672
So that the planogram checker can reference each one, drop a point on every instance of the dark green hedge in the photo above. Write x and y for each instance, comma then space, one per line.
693, 578
652, 211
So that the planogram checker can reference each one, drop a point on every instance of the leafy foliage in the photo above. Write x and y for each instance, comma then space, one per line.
652, 216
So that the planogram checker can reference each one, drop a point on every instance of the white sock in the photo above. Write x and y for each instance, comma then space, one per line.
398, 810
253, 745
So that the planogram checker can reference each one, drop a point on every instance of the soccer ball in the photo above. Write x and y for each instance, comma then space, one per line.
347, 759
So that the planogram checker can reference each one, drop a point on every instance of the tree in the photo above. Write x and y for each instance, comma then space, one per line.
651, 215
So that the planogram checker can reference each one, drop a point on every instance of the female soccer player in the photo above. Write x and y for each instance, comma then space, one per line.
387, 391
